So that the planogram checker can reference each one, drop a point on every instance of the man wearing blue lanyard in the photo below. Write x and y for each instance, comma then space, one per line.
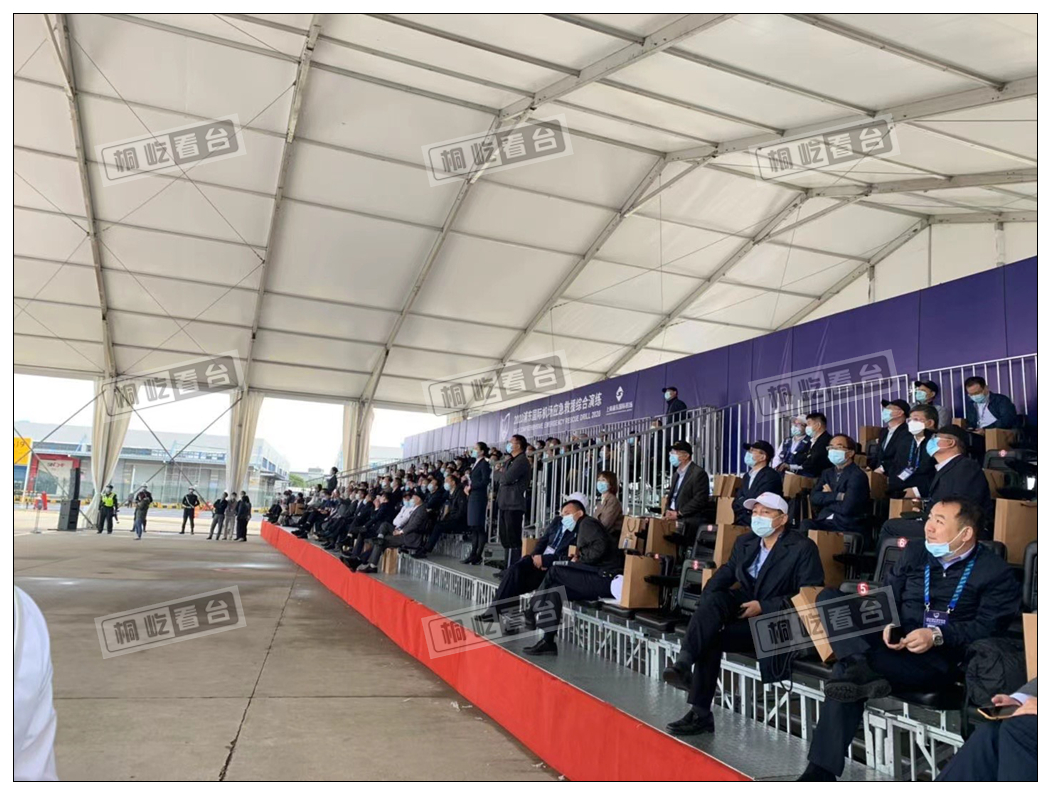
949, 592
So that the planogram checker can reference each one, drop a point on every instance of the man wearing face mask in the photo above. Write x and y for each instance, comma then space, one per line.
765, 569
891, 452
793, 451
918, 468
817, 459
516, 475
453, 517
842, 496
955, 475
588, 576
986, 409
950, 592
760, 479
675, 408
924, 392
480, 477
408, 529
690, 490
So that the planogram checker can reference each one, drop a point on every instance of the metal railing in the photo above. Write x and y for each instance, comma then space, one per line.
1014, 376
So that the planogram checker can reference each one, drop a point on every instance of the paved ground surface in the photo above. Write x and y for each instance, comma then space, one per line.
309, 690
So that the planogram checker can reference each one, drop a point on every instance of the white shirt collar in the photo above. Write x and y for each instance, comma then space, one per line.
939, 466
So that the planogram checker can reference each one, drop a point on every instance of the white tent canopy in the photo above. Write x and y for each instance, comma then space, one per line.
326, 261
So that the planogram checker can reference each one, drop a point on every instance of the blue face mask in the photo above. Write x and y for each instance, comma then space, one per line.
978, 398
932, 446
887, 415
762, 526
796, 430
919, 396
809, 431
749, 459
603, 486
941, 549
567, 522
674, 459
837, 456
448, 486
509, 447
432, 487
474, 453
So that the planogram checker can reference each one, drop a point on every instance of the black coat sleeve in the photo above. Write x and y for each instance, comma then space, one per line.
698, 498
1000, 602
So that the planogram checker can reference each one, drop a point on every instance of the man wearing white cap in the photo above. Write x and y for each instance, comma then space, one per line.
525, 575
770, 565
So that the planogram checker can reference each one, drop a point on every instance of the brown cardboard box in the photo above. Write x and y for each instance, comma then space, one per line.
996, 480
805, 605
727, 484
572, 552
724, 514
867, 433
654, 542
828, 545
1030, 646
899, 506
705, 576
388, 563
877, 484
794, 484
996, 438
1015, 526
637, 593
959, 422
663, 503
861, 460
727, 535
632, 525
528, 546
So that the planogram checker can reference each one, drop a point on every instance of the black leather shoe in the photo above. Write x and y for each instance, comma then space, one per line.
679, 676
816, 774
544, 647
692, 724
858, 682
353, 563
419, 554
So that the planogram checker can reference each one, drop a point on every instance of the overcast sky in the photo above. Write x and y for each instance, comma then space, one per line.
307, 433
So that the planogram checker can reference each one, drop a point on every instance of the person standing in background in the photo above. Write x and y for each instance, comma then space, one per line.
142, 503
477, 502
107, 508
190, 503
230, 522
244, 515
218, 515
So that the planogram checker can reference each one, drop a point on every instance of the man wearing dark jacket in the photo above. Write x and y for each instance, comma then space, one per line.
586, 576
408, 529
950, 592
986, 409
842, 496
190, 503
511, 499
817, 459
244, 515
218, 513
690, 490
383, 513
333, 479
919, 466
891, 455
477, 502
453, 516
675, 408
761, 478
765, 569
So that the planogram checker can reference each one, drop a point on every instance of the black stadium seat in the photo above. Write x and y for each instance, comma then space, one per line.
1028, 589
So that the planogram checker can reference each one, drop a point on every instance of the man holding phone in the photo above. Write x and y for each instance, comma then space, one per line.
1005, 749
950, 592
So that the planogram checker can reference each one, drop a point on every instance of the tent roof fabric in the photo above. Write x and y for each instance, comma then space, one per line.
326, 262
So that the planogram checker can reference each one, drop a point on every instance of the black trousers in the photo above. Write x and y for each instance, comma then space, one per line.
1001, 752
839, 721
440, 528
105, 519
825, 524
242, 527
712, 629
367, 534
910, 528
510, 522
520, 578
478, 536
577, 581
187, 512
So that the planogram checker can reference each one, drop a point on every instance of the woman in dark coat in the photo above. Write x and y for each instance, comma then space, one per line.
244, 514
477, 502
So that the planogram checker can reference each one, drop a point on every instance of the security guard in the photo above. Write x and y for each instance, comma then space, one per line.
190, 502
107, 509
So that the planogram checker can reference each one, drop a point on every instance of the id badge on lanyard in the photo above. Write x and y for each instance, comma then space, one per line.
935, 618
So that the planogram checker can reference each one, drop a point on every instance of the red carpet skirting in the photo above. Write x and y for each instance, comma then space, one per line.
563, 725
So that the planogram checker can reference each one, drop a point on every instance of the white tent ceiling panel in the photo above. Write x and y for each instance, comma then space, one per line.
50, 236
455, 335
638, 24
178, 206
329, 254
640, 240
109, 120
53, 281
279, 347
159, 332
403, 390
980, 198
697, 337
723, 201
999, 45
380, 120
142, 251
947, 156
56, 354
47, 183
51, 319
1005, 125
115, 57
580, 354
764, 310
316, 317
506, 283
961, 250
42, 120
800, 54
620, 326
285, 377
594, 171
34, 57
136, 361
519, 217
418, 46
239, 30
853, 295
179, 299
637, 133
776, 266
427, 365
630, 287
852, 230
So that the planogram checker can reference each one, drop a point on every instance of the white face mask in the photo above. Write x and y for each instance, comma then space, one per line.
915, 427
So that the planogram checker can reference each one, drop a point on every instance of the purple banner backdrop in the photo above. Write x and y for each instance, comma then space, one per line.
986, 316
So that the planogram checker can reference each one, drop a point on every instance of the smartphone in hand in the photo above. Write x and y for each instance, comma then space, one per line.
896, 635
993, 712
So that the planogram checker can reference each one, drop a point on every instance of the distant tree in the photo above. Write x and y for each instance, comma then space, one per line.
296, 480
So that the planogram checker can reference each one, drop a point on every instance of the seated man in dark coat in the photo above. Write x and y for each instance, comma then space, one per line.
842, 496
761, 478
765, 569
452, 518
919, 465
950, 592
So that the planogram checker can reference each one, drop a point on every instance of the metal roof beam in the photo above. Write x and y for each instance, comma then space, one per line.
1019, 176
986, 217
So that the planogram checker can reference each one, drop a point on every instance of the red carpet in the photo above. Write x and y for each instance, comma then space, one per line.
557, 721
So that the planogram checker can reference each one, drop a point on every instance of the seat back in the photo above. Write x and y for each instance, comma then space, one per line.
691, 578
891, 550
995, 546
1028, 589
